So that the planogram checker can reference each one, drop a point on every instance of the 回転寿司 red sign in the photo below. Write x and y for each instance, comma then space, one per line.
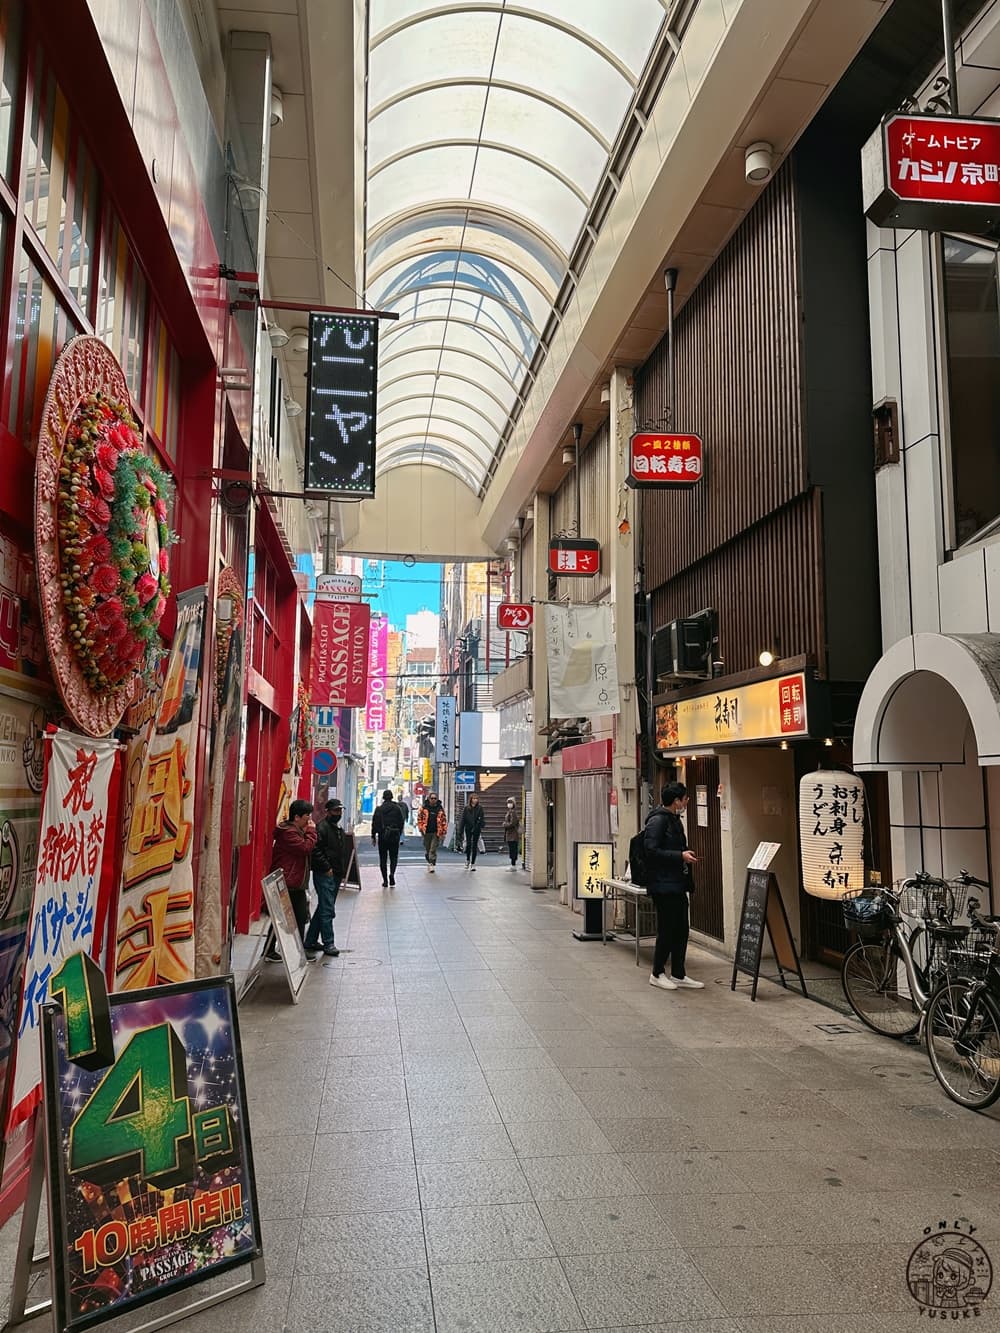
574, 557
659, 458
339, 677
515, 615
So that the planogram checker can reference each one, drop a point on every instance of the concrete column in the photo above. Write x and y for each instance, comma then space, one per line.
540, 711
622, 562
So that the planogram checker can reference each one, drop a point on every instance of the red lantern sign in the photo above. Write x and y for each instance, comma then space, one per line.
515, 615
574, 557
664, 459
340, 655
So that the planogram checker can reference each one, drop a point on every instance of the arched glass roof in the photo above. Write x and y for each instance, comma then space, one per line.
490, 124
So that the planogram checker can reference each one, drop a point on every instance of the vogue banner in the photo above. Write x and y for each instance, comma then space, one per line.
583, 670
378, 662
339, 677
154, 940
65, 908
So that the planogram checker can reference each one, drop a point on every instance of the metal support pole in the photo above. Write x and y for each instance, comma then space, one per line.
670, 282
577, 433
950, 64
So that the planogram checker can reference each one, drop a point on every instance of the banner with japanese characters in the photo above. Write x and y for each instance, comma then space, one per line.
832, 833
64, 916
583, 667
151, 1177
154, 941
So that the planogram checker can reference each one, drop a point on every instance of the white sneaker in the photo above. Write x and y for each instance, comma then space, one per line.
689, 983
663, 981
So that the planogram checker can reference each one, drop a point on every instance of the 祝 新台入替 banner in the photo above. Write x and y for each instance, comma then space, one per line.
155, 930
339, 675
583, 669
76, 806
151, 1176
378, 662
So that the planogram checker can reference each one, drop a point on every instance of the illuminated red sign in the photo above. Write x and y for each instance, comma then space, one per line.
515, 615
339, 676
943, 160
572, 557
661, 458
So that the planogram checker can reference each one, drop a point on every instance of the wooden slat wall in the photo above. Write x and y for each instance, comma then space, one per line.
597, 512
767, 586
738, 386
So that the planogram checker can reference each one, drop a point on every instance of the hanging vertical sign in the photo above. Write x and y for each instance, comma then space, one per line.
339, 661
340, 432
583, 665
444, 729
155, 935
378, 662
832, 833
64, 912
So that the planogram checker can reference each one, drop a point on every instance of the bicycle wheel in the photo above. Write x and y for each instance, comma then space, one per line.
967, 1066
875, 984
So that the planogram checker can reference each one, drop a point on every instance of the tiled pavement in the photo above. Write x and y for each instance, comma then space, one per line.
474, 1122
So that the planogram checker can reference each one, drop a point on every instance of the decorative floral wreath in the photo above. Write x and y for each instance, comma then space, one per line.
113, 539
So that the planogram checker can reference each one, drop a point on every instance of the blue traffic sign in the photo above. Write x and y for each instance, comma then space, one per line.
465, 777
324, 761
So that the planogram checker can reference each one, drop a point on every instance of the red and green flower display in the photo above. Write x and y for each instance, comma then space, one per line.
113, 541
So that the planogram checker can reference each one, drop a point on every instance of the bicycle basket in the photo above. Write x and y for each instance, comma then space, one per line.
930, 899
868, 914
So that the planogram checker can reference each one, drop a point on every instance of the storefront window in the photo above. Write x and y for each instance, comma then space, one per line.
972, 315
40, 330
164, 401
60, 184
121, 305
10, 50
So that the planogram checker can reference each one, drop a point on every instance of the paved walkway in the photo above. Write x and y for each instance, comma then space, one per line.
473, 1122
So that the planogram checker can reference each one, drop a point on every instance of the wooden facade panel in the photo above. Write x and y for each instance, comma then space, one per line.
597, 512
739, 386
767, 586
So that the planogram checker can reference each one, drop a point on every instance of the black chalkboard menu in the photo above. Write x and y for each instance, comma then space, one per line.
763, 908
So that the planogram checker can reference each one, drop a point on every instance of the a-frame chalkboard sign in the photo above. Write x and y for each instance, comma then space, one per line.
763, 907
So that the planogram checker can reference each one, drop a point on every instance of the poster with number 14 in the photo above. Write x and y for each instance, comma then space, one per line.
151, 1184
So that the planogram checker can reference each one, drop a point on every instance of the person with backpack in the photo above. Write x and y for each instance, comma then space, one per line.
512, 831
387, 829
470, 830
667, 875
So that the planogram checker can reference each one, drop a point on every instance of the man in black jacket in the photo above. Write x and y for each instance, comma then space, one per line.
329, 864
387, 829
669, 863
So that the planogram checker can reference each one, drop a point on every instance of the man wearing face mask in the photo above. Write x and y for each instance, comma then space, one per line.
329, 864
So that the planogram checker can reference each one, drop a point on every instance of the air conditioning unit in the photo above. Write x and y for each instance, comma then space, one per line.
684, 649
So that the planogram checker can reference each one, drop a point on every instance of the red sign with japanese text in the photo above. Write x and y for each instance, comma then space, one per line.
657, 458
574, 557
943, 160
340, 655
792, 702
515, 615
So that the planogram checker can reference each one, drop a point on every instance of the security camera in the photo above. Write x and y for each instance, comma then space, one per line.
759, 163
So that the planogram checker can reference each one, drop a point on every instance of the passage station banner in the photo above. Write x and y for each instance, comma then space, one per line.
339, 677
151, 1175
64, 910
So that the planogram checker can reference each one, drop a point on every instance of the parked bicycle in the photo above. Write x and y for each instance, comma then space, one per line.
890, 974
962, 1024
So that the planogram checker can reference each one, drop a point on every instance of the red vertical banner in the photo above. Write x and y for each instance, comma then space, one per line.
339, 666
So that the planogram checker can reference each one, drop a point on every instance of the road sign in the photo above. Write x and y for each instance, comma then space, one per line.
324, 762
419, 789
515, 615
465, 778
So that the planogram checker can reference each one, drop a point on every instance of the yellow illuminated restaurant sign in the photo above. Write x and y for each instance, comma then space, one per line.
766, 710
593, 864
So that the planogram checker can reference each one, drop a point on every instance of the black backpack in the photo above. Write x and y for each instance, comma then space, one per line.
637, 858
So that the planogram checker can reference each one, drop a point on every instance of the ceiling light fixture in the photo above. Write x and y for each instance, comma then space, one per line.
278, 335
277, 105
293, 407
298, 341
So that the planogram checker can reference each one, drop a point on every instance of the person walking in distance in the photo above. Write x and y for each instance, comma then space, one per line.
387, 829
329, 865
432, 824
669, 863
294, 840
512, 830
470, 830
405, 809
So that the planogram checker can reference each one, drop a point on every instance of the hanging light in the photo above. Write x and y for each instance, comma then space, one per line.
832, 833
278, 335
293, 407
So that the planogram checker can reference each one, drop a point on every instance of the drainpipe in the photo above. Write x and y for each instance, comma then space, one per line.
577, 432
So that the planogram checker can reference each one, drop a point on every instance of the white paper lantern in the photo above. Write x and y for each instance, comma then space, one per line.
832, 833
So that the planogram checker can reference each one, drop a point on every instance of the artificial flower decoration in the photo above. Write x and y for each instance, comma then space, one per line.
113, 539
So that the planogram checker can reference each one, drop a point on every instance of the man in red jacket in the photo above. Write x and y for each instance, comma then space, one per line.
294, 839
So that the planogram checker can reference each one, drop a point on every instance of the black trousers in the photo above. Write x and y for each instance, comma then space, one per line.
513, 847
471, 848
300, 906
388, 853
671, 932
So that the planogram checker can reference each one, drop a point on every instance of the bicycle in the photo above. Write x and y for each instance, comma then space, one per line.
962, 1028
891, 973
